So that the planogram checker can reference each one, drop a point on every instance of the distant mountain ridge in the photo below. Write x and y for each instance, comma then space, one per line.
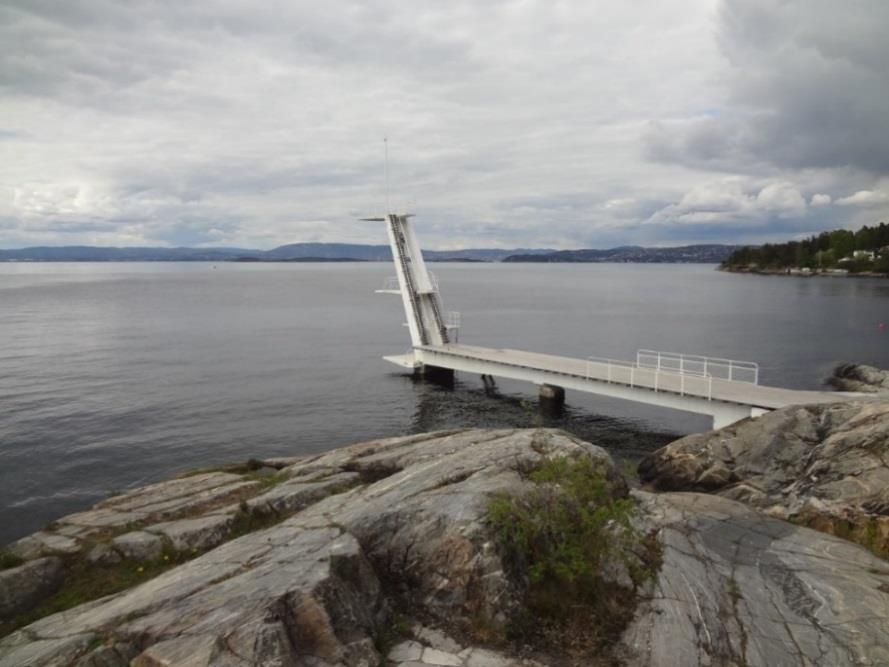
322, 252
110, 254
293, 251
712, 253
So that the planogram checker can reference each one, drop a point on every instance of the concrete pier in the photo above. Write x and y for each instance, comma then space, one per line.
552, 399
725, 401
436, 374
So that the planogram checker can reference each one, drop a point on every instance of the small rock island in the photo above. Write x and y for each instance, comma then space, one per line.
760, 544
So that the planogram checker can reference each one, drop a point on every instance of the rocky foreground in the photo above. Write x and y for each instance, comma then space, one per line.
382, 553
860, 378
825, 466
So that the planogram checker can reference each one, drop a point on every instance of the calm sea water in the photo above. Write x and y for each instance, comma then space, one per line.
116, 375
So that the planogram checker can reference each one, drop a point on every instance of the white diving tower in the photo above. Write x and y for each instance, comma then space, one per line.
419, 295
724, 389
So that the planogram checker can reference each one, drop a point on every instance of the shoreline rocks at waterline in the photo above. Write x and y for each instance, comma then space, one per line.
860, 378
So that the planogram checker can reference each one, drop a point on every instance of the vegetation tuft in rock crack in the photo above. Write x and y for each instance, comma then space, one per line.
570, 545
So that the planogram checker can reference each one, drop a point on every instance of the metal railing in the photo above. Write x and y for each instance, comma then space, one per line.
452, 322
658, 379
391, 284
693, 364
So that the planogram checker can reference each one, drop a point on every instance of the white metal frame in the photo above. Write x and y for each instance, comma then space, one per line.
726, 369
634, 375
453, 319
390, 286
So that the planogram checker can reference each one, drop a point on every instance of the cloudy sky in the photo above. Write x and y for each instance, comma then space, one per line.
535, 123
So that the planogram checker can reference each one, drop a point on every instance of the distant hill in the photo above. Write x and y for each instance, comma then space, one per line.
343, 252
284, 253
135, 254
703, 254
381, 253
367, 253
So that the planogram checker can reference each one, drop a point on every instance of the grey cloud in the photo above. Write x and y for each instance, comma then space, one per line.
44, 55
510, 123
735, 204
7, 135
74, 227
97, 52
866, 198
808, 88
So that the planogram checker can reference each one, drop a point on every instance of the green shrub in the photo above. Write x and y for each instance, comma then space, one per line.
563, 543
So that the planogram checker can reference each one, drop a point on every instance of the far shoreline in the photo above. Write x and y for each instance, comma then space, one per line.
800, 273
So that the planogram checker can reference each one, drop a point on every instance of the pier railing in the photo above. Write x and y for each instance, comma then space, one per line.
725, 369
658, 379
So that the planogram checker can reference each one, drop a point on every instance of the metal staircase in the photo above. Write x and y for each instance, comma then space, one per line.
409, 286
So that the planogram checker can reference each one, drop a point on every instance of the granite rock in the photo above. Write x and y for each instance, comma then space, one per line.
860, 378
310, 584
825, 466
195, 534
422, 523
21, 587
139, 545
297, 493
740, 588
407, 531
425, 649
43, 543
281, 594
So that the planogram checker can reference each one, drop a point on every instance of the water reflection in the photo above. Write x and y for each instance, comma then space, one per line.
474, 403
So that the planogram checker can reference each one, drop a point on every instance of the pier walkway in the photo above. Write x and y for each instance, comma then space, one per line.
630, 375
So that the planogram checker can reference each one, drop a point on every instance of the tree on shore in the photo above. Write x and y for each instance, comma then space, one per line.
864, 250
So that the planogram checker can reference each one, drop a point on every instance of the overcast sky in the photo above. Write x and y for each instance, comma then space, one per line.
550, 123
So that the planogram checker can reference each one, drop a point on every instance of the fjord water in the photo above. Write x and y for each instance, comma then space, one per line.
117, 375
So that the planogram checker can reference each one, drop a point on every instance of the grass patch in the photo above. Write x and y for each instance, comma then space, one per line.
266, 480
630, 470
387, 637
862, 529
249, 522
9, 561
86, 582
734, 590
565, 543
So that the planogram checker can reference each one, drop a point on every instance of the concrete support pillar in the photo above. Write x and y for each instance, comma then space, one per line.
436, 374
552, 399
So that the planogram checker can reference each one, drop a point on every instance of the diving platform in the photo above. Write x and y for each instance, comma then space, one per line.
727, 390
